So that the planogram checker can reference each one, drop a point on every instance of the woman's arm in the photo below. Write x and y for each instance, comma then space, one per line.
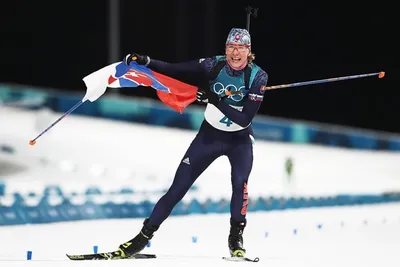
199, 66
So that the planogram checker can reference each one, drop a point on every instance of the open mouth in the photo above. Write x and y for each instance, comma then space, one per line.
235, 59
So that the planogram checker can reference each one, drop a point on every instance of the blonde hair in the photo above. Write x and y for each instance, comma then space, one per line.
251, 57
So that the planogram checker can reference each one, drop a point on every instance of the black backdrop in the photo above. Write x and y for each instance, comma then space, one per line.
56, 43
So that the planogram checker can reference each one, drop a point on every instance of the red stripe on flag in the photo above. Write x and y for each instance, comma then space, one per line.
181, 94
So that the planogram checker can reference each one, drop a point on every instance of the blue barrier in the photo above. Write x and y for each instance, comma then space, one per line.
56, 190
52, 190
20, 213
156, 113
2, 188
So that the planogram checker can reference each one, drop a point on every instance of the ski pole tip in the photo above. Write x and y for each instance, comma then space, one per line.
32, 142
381, 74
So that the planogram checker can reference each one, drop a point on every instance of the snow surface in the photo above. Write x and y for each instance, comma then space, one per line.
341, 236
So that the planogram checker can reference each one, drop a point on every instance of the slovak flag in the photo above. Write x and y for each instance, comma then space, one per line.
174, 93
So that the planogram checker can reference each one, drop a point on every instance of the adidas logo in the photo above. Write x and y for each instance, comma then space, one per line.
187, 161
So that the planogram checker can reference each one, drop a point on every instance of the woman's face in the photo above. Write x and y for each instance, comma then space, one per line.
236, 54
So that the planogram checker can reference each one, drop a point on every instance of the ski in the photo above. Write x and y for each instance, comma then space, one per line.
117, 255
113, 255
241, 259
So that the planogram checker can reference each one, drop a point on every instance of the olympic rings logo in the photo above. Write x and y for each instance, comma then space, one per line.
220, 90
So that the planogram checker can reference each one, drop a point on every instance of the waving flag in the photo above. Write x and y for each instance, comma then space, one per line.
174, 93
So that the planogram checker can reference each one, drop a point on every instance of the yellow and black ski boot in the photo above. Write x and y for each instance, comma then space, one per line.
235, 239
139, 242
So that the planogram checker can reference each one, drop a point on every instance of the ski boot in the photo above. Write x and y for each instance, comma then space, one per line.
139, 242
235, 239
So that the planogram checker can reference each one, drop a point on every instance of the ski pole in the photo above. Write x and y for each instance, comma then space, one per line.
379, 74
33, 141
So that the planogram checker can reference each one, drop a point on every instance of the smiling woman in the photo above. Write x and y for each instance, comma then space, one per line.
238, 49
225, 131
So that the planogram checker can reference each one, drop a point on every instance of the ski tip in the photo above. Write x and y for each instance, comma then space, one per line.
74, 257
241, 259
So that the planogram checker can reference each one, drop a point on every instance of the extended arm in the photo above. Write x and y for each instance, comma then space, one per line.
173, 69
196, 67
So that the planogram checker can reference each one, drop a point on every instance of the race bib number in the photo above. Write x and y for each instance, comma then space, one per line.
219, 121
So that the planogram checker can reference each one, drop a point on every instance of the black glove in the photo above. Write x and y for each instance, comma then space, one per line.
206, 96
140, 59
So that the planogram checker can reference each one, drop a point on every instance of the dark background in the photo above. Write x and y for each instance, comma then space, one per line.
56, 43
